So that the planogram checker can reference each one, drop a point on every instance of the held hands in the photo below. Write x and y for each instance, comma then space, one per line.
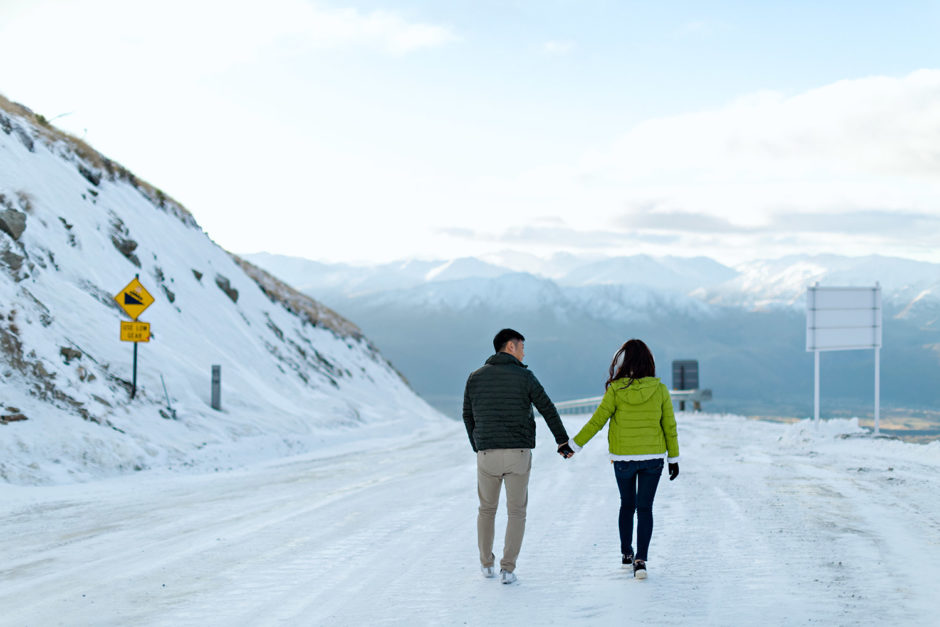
673, 470
565, 450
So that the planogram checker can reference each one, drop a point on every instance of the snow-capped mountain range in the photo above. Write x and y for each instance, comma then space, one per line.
621, 289
75, 228
778, 282
746, 324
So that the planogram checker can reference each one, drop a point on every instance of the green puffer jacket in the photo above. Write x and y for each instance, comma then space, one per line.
642, 421
497, 406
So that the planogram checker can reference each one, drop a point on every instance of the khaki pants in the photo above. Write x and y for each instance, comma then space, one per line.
493, 467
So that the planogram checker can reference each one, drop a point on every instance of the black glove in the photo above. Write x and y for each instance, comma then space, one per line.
673, 471
565, 451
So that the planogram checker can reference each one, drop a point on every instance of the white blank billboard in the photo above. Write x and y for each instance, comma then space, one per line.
843, 318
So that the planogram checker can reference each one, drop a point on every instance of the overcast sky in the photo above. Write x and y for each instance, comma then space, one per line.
370, 130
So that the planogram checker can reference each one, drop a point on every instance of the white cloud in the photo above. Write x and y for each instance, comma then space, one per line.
851, 146
851, 166
336, 27
166, 91
192, 38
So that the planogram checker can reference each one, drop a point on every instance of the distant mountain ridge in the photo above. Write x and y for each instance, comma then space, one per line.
745, 324
777, 282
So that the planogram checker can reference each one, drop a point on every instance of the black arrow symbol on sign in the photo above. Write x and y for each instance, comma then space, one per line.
130, 299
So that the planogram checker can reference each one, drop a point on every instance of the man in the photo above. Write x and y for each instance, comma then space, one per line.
497, 411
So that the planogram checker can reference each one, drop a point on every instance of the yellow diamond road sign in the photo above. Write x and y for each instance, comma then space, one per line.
135, 331
133, 299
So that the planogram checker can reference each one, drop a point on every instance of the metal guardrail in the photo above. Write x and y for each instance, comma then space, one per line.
588, 405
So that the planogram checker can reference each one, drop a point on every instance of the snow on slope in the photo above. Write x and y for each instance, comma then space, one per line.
665, 274
603, 289
463, 268
784, 281
513, 291
767, 524
296, 376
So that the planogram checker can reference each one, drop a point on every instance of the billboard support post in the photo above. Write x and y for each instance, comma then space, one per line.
877, 388
816, 391
844, 318
134, 383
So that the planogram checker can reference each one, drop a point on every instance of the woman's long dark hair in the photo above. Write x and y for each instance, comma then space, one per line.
633, 360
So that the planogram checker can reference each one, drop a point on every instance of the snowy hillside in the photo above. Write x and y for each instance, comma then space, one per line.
766, 524
75, 228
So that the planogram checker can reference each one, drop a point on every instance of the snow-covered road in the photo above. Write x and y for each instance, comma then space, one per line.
767, 524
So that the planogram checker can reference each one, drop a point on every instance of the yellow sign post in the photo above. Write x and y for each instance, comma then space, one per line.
133, 299
135, 331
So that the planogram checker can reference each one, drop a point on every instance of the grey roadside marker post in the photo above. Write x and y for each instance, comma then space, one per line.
217, 388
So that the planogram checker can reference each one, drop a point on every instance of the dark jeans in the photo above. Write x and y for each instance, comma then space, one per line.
637, 482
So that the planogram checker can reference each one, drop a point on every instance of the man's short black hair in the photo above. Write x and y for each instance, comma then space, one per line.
506, 335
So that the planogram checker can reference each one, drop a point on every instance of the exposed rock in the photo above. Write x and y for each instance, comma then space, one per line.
297, 303
122, 241
161, 280
13, 223
45, 316
101, 400
100, 295
84, 375
126, 247
69, 354
8, 418
24, 138
276, 329
91, 176
11, 260
41, 382
226, 287
68, 228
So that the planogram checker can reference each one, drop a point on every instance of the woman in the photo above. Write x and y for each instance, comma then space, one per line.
642, 432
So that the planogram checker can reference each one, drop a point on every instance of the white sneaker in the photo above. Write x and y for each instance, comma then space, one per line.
488, 571
507, 577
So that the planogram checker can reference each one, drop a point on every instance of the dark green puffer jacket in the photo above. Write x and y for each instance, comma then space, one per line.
497, 406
